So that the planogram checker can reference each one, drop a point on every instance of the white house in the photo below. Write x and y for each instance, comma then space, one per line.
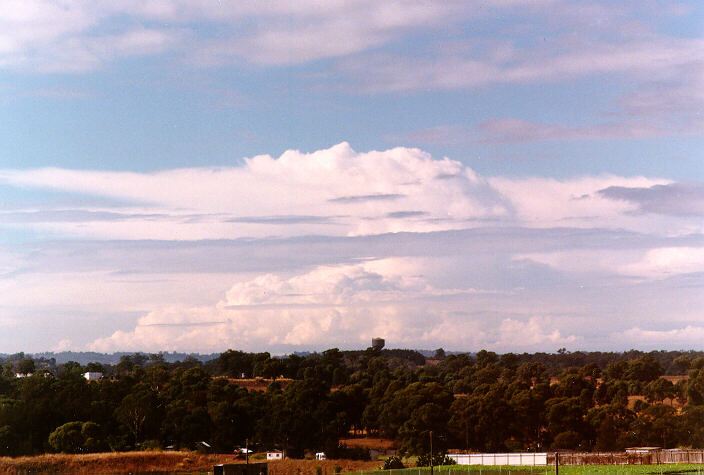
275, 455
320, 456
93, 375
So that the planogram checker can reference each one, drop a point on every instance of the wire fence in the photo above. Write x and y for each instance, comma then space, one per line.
458, 470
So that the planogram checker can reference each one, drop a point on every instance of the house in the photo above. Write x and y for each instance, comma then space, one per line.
275, 455
93, 375
320, 456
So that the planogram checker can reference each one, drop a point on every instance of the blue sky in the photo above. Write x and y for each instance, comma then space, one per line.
202, 175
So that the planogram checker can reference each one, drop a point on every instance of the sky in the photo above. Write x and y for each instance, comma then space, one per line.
279, 176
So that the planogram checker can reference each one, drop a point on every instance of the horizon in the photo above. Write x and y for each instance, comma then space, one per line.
515, 176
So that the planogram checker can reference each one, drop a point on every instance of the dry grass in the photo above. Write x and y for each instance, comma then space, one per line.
257, 384
369, 443
156, 461
307, 467
116, 462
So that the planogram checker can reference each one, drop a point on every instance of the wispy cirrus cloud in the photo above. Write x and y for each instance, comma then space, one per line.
511, 130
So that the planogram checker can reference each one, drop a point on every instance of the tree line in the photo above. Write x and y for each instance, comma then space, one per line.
482, 402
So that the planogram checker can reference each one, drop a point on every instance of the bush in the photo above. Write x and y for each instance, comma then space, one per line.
337, 469
438, 459
393, 463
318, 470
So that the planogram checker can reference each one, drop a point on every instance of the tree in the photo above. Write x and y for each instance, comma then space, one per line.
67, 438
137, 411
26, 366
414, 434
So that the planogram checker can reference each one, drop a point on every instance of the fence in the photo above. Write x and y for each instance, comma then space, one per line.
653, 457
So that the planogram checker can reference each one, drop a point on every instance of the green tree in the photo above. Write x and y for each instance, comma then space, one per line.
67, 438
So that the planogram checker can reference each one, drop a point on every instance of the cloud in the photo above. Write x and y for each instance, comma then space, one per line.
677, 199
576, 202
535, 332
341, 192
45, 36
363, 198
330, 248
689, 336
668, 261
654, 56
513, 130
334, 191
342, 305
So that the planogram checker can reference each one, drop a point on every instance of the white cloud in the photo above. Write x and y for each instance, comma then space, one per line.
68, 36
342, 305
666, 262
534, 333
573, 202
337, 305
334, 191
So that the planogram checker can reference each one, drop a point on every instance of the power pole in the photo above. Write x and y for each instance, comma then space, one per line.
431, 452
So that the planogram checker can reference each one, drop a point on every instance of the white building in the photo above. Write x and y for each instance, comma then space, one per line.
320, 456
93, 375
275, 455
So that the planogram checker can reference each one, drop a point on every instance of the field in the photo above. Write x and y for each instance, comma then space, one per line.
163, 462
671, 469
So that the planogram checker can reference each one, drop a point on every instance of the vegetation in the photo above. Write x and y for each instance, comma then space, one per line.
482, 401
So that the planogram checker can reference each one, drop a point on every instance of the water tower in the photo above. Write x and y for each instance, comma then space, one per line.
378, 343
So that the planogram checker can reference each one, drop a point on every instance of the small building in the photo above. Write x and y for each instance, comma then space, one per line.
23, 375
93, 375
275, 455
320, 456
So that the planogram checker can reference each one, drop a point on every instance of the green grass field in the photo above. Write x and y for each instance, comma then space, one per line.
671, 469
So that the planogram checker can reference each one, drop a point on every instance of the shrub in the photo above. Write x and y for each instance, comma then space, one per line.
438, 459
392, 463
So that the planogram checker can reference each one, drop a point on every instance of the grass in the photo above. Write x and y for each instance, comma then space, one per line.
564, 470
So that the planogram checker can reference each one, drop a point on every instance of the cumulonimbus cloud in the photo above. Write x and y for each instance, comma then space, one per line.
341, 305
